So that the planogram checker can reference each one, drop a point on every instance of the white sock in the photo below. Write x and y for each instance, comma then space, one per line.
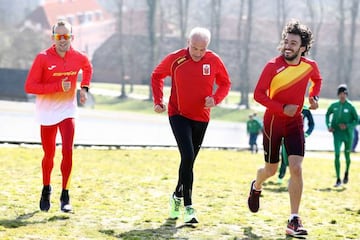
256, 189
293, 215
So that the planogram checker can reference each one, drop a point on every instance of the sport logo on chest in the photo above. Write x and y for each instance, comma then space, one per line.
206, 69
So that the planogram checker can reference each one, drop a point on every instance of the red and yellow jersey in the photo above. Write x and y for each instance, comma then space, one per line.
281, 83
191, 83
45, 81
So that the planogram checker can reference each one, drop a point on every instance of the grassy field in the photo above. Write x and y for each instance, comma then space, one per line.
123, 194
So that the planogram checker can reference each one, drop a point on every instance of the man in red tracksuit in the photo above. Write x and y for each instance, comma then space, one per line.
53, 79
194, 71
281, 89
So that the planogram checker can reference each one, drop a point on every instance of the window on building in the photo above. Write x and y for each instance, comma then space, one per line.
98, 15
70, 19
81, 18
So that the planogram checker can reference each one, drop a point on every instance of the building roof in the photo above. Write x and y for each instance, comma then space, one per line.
91, 23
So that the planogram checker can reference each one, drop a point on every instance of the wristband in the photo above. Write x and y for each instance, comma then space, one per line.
85, 88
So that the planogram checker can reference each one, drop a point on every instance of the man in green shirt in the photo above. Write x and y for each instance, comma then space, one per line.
253, 128
341, 119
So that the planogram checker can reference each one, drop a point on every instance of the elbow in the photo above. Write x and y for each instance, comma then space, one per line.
256, 96
27, 88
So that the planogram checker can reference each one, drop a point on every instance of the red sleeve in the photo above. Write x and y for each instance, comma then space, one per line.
34, 83
262, 88
316, 81
87, 71
160, 72
223, 82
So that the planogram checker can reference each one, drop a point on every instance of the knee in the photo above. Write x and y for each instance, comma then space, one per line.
296, 171
67, 153
271, 170
48, 157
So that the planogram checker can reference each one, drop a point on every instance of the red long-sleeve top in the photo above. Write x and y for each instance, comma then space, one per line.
45, 78
191, 83
281, 83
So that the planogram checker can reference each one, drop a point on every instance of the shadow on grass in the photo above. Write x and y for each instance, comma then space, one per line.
249, 234
275, 187
278, 189
331, 189
24, 220
252, 236
166, 231
20, 221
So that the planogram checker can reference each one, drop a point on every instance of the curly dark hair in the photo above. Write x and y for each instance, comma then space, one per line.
295, 27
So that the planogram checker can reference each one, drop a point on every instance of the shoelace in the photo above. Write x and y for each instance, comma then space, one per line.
296, 222
177, 204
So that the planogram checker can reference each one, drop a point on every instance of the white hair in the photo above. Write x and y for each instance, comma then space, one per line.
200, 33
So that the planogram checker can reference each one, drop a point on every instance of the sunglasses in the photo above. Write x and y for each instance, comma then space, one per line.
58, 37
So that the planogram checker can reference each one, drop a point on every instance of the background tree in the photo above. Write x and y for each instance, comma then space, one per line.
244, 65
131, 51
17, 53
215, 24
316, 21
121, 67
341, 44
183, 19
281, 16
349, 63
152, 6
239, 40
154, 33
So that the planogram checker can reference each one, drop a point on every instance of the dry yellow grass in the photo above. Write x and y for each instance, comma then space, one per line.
123, 194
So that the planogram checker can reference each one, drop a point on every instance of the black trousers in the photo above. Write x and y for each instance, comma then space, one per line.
189, 135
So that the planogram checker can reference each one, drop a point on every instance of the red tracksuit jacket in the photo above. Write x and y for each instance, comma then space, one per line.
45, 81
191, 83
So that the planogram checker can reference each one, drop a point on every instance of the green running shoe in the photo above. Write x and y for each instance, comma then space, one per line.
189, 216
175, 204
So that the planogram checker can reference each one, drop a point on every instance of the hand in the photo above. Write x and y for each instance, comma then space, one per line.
66, 84
313, 103
209, 102
290, 109
83, 96
342, 126
159, 108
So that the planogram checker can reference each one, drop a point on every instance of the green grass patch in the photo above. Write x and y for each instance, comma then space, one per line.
144, 106
123, 194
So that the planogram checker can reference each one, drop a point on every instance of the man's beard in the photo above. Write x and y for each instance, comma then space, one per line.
293, 57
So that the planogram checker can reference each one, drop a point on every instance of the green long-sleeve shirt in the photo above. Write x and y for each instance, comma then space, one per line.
341, 113
253, 126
